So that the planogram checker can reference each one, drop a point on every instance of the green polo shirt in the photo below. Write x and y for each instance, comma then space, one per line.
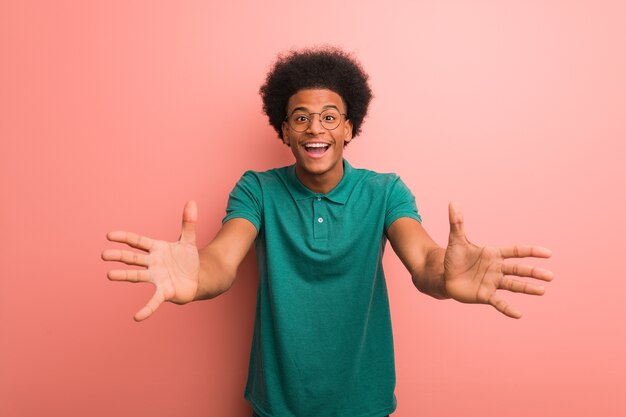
322, 343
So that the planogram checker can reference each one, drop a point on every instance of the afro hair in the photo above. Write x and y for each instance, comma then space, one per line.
321, 67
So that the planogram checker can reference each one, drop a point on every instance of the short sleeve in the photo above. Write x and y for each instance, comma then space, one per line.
246, 200
400, 203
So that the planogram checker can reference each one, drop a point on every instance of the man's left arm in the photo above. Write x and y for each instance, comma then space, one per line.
464, 271
421, 256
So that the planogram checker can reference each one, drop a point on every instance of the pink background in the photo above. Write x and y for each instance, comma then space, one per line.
114, 113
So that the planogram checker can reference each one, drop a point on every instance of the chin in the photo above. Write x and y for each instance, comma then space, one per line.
317, 167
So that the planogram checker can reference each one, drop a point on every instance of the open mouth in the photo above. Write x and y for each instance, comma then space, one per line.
316, 149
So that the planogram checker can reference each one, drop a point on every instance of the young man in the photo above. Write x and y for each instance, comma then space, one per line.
322, 344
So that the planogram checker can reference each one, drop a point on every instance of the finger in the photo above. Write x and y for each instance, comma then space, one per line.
131, 275
457, 231
503, 307
515, 285
126, 256
132, 239
190, 217
527, 271
154, 303
525, 251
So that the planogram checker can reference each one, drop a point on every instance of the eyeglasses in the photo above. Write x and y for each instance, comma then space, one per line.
300, 121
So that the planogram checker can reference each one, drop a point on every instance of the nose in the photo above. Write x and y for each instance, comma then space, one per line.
315, 126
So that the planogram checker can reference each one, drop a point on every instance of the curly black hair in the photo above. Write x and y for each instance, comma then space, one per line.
321, 67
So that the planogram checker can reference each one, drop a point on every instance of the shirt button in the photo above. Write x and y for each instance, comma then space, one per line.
319, 198
320, 220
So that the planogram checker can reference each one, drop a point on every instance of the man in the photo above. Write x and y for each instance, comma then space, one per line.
322, 344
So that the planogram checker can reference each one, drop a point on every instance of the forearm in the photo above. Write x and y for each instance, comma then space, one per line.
214, 277
429, 279
421, 256
220, 259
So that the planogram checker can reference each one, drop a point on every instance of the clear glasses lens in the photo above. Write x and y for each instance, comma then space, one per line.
300, 121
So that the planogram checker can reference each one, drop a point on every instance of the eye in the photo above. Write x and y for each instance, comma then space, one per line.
330, 117
300, 118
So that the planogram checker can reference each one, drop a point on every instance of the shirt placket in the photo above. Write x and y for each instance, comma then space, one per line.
320, 218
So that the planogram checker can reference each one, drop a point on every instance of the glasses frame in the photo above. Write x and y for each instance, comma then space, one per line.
311, 121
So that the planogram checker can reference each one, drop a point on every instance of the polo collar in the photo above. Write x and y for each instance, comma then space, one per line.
339, 194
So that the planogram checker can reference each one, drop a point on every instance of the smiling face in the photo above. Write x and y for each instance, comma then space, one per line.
318, 151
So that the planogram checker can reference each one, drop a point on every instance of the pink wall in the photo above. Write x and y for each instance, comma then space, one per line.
114, 113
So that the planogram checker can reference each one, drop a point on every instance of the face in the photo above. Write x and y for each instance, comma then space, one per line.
318, 151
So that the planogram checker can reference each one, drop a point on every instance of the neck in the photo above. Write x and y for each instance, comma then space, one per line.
321, 183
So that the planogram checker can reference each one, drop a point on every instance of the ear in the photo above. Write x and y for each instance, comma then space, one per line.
285, 130
347, 131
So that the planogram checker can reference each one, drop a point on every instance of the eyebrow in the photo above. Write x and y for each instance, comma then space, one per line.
326, 107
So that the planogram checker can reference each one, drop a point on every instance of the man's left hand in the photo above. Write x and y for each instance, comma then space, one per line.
473, 273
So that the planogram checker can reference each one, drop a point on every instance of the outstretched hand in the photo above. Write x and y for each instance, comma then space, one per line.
473, 273
173, 267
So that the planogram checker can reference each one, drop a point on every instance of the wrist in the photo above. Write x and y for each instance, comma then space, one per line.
435, 273
213, 279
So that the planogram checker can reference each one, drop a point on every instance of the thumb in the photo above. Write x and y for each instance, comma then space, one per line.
190, 217
457, 232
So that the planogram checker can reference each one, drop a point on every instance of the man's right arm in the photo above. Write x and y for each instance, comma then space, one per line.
220, 259
179, 271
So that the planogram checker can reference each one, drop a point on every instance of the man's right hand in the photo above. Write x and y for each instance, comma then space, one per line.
173, 267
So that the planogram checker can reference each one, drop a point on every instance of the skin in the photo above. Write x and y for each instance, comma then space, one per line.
318, 174
464, 271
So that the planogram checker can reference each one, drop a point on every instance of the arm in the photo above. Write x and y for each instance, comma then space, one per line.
179, 271
465, 271
421, 256
220, 259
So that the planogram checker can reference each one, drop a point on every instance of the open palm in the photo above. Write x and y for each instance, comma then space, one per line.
473, 274
173, 267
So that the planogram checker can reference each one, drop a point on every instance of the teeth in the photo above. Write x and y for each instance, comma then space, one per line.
316, 145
